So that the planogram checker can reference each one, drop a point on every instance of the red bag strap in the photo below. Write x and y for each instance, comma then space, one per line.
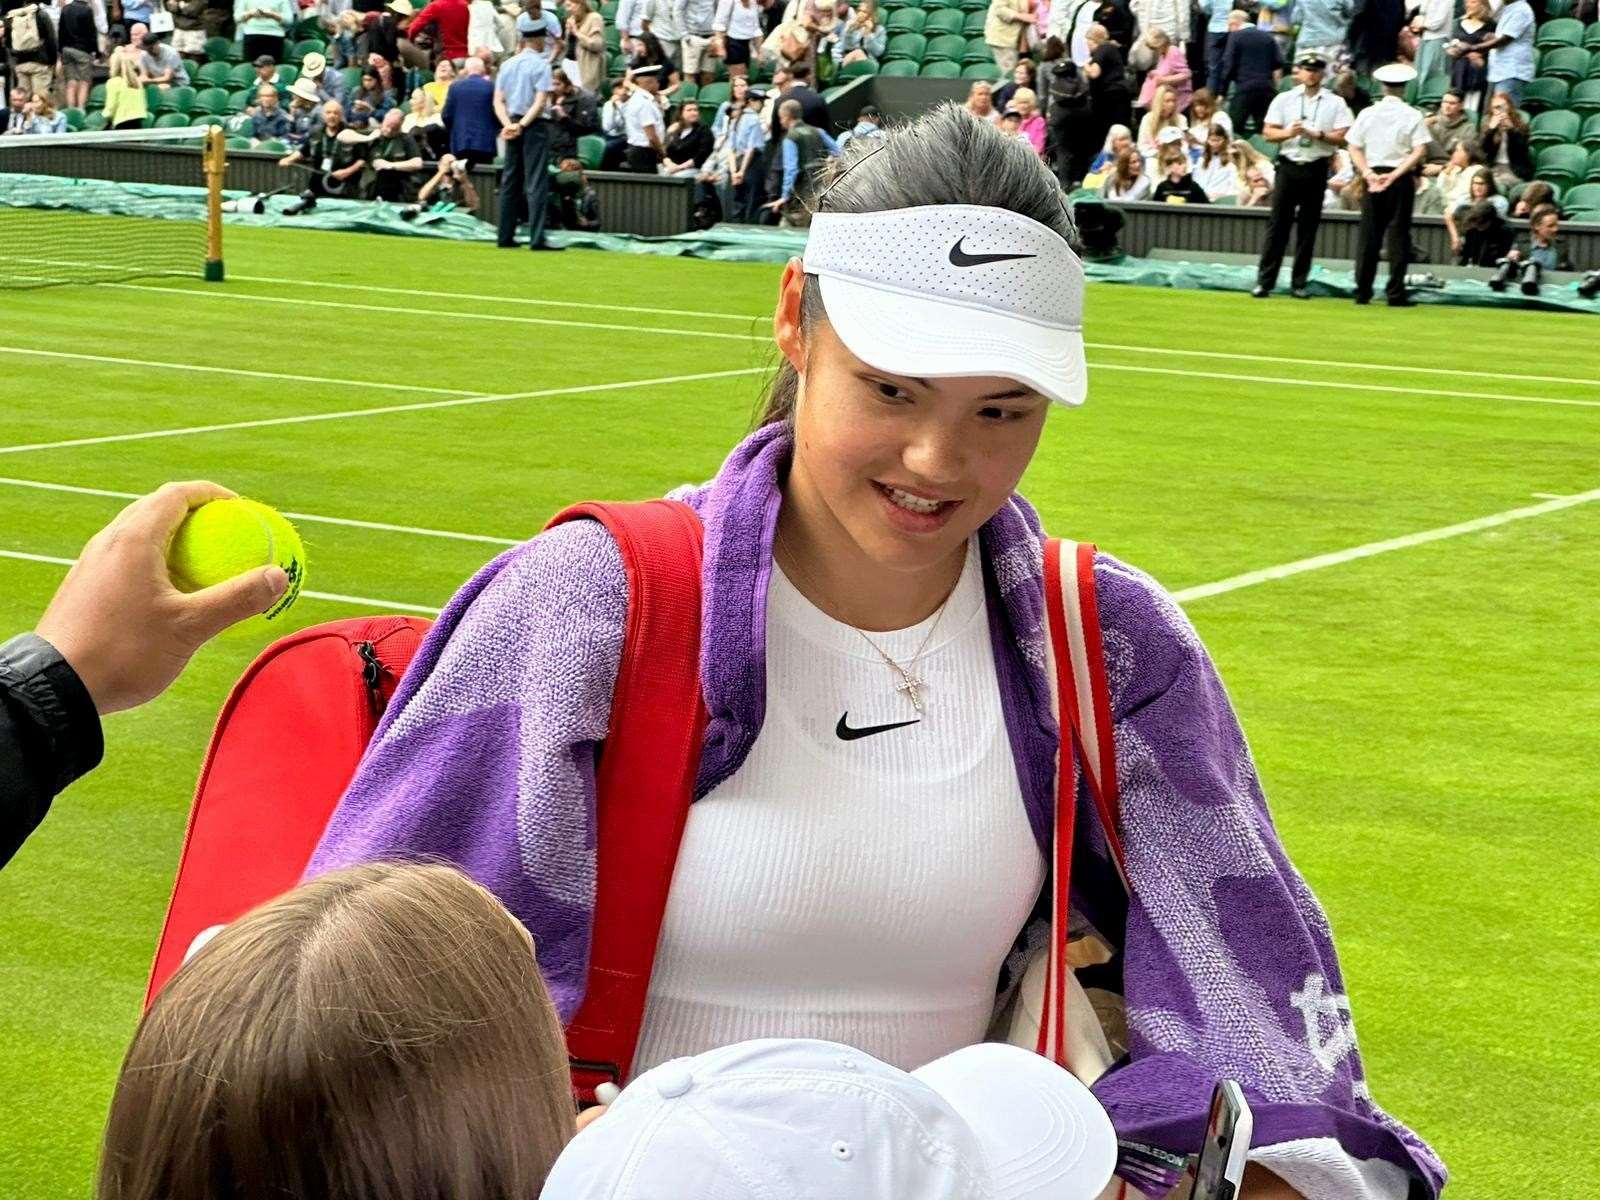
646, 776
1082, 697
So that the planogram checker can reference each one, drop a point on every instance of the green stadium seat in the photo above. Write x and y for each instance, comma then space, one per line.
972, 23
941, 69
686, 91
97, 96
1592, 173
899, 68
352, 79
1591, 36
239, 100
212, 75
1558, 8
1585, 195
591, 149
210, 101
1590, 135
617, 64
94, 122
272, 147
220, 49
861, 66
200, 119
1541, 95
715, 95
75, 118
1593, 69
613, 39
1570, 63
1563, 31
1564, 165
981, 71
300, 49
1428, 92
238, 143
977, 51
152, 99
1554, 129
906, 20
950, 48
1270, 149
1584, 216
171, 121
968, 6
1585, 98
943, 21
244, 75
907, 46
287, 74
177, 99
608, 10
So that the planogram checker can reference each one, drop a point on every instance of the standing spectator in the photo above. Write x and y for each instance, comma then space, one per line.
31, 40
1004, 29
268, 121
574, 113
1127, 182
1324, 26
1277, 18
660, 20
734, 169
1511, 58
586, 33
521, 95
1170, 70
1469, 70
980, 102
697, 19
1504, 138
1069, 23
188, 28
126, 106
643, 129
79, 43
1448, 128
1118, 21
263, 26
218, 19
1432, 21
1163, 114
43, 117
469, 115
449, 19
1308, 124
393, 161
483, 34
1216, 12
738, 29
803, 150
688, 142
1252, 66
863, 35
1375, 32
161, 65
1387, 142
1110, 100
1169, 16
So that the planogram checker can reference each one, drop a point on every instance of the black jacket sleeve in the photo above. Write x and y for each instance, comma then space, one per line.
49, 735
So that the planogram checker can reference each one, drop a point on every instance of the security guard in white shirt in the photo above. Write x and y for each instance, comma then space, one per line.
1387, 144
644, 129
1309, 125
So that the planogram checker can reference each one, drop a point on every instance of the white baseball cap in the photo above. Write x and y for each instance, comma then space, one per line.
810, 1120
954, 289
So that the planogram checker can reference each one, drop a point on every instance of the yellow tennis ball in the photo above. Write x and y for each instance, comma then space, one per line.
225, 538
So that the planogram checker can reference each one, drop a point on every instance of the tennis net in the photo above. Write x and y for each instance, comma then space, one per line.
99, 207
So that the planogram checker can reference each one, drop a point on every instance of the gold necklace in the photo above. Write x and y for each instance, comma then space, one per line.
910, 685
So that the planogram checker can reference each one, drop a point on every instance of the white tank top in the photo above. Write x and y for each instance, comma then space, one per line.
862, 888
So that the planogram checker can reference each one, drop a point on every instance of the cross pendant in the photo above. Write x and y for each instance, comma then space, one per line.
911, 686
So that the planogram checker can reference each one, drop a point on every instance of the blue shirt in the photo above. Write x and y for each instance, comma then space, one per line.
1323, 23
522, 79
791, 160
1516, 60
1219, 10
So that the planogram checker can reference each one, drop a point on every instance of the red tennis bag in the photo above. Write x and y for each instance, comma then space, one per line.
294, 728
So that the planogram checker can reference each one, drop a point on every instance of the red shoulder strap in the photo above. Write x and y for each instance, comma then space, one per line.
646, 777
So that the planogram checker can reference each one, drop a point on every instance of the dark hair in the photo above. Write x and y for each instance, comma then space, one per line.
380, 1033
800, 71
1540, 213
945, 156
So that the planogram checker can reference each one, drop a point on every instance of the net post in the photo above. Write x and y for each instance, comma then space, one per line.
216, 162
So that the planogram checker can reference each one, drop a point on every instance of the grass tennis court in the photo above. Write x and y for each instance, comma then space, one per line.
1423, 712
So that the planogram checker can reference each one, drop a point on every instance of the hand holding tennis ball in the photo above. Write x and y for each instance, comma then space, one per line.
224, 539
119, 620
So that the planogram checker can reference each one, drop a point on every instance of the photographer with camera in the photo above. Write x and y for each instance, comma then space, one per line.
333, 155
1539, 248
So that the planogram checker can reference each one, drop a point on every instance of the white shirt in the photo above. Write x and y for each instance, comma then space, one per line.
1218, 178
1437, 17
1070, 22
865, 890
1323, 112
1388, 131
741, 22
641, 111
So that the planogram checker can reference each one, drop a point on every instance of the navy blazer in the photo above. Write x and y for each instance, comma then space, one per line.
469, 115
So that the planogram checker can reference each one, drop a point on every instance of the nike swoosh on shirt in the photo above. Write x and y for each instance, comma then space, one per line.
846, 734
960, 258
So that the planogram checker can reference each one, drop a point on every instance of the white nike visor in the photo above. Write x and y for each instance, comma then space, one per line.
954, 290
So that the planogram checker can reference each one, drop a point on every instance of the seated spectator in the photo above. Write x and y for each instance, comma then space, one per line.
1437, 194
1247, 158
1351, 92
126, 106
1535, 194
1177, 186
688, 142
1474, 186
804, 150
1215, 173
1127, 180
1164, 114
14, 118
443, 76
43, 117
305, 111
1539, 249
1118, 139
161, 65
1448, 127
1171, 71
268, 121
469, 115
424, 123
576, 199
335, 156
1344, 188
868, 127
1504, 141
450, 187
329, 84
573, 114
1024, 75
614, 124
395, 161
371, 101
266, 70
1026, 106
1203, 112
980, 102
1256, 189
862, 37
395, 1010
1011, 126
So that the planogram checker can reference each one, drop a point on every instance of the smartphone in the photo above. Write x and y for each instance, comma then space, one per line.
1219, 1174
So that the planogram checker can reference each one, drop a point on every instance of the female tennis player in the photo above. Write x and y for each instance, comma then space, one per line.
875, 789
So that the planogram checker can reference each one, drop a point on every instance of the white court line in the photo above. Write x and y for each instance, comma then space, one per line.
332, 597
1372, 549
382, 410
310, 518
174, 366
